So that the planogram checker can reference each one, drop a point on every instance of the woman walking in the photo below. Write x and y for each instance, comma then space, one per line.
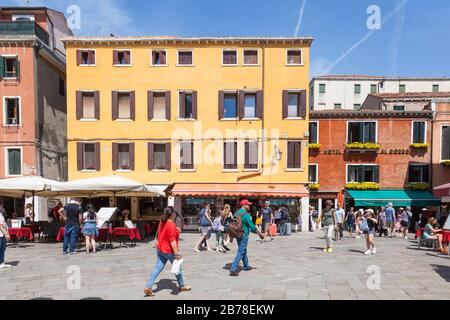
328, 219
218, 228
167, 250
406, 222
382, 223
358, 219
368, 224
90, 230
227, 219
205, 227
350, 222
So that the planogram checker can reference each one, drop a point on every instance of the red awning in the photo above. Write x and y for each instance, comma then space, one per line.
276, 190
442, 191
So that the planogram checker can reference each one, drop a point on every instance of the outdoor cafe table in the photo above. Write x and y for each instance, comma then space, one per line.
132, 234
17, 233
102, 234
445, 234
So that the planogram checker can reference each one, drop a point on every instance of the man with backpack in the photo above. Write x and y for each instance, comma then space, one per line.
283, 220
240, 229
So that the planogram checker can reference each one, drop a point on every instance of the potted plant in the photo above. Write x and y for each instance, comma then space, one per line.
446, 163
315, 146
419, 186
363, 146
362, 186
419, 145
314, 187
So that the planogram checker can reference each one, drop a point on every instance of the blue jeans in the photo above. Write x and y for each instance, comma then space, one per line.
2, 249
241, 254
70, 236
161, 260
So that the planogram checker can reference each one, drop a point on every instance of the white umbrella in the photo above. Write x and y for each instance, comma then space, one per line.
26, 186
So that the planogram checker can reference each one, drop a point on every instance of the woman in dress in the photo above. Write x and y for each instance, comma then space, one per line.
205, 223
90, 230
227, 218
368, 227
431, 233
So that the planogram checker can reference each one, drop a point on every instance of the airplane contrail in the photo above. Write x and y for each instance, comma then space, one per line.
300, 18
387, 18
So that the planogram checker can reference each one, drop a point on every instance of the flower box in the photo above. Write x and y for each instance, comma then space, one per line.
446, 163
419, 186
420, 145
362, 146
314, 187
314, 146
362, 186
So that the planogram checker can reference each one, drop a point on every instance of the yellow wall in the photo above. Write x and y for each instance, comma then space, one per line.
207, 77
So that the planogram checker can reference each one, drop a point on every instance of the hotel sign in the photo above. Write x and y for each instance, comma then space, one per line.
381, 151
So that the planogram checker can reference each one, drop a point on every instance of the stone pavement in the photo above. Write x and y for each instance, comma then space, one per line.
288, 268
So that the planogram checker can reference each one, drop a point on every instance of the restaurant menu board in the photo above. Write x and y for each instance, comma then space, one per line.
447, 224
104, 215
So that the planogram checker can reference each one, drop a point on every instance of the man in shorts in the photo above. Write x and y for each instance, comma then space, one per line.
390, 219
267, 215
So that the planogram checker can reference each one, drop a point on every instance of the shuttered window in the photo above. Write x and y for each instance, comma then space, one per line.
159, 156
362, 132
160, 106
89, 157
187, 155
122, 57
88, 105
313, 132
250, 105
86, 57
363, 173
294, 155
250, 57
230, 155
188, 105
445, 140
159, 57
373, 88
294, 57
123, 159
419, 132
124, 105
419, 173
357, 88
14, 162
294, 104
9, 67
251, 155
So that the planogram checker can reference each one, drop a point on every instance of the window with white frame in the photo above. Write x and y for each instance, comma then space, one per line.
251, 57
419, 173
11, 113
88, 105
294, 57
159, 57
122, 57
159, 156
230, 57
418, 134
293, 104
159, 105
9, 67
362, 132
187, 155
23, 17
124, 105
251, 155
185, 58
362, 173
89, 156
250, 105
14, 161
230, 155
124, 159
313, 132
313, 175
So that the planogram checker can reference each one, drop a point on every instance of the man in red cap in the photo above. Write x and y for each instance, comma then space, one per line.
247, 226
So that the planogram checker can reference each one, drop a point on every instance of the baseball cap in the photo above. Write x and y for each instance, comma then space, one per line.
267, 203
245, 202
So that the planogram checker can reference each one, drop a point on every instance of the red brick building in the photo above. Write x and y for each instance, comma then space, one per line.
371, 146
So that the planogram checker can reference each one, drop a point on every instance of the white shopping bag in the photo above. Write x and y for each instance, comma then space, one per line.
176, 266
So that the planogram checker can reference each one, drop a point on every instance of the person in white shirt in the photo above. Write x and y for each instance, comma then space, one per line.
4, 236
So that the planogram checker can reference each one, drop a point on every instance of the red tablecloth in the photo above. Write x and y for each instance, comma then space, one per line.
21, 232
148, 229
445, 234
419, 232
102, 234
125, 232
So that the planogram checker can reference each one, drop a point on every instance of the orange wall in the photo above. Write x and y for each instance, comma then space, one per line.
24, 135
392, 134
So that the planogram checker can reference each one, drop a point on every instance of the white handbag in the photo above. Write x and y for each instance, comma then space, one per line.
176, 266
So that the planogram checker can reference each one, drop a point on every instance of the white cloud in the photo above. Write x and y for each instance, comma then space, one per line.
395, 44
300, 18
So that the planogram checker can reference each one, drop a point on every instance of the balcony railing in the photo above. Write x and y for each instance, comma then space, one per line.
23, 28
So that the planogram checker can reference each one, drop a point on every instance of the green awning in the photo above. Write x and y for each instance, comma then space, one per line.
400, 198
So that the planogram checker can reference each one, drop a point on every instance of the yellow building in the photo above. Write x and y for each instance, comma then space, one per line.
215, 119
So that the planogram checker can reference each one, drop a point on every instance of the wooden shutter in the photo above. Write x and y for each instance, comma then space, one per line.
97, 105
247, 155
91, 56
285, 103
235, 155
221, 104
97, 156
132, 105
132, 157
150, 105
115, 156
194, 105
168, 105
225, 164
115, 57
79, 105
168, 157
298, 155
260, 104
17, 62
302, 104
445, 147
182, 103
241, 104
163, 57
2, 67
115, 106
127, 57
153, 57
376, 174
291, 155
79, 57
150, 157
79, 156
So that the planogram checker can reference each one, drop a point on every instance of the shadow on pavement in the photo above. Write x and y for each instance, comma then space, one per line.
443, 271
166, 284
91, 298
317, 248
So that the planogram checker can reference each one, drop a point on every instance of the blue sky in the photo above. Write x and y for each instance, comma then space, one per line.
412, 41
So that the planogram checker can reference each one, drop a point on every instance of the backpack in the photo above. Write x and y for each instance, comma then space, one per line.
235, 229
203, 221
284, 215
364, 225
216, 224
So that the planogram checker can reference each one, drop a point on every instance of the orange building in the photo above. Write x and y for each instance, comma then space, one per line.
32, 95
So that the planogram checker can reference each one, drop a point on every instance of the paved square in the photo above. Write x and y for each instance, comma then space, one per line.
288, 268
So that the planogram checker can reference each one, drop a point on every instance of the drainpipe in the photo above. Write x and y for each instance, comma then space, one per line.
39, 161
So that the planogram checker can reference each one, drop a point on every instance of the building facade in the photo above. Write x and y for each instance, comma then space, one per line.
32, 93
334, 92
386, 151
411, 101
215, 119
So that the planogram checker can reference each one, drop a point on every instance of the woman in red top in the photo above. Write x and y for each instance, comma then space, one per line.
167, 250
